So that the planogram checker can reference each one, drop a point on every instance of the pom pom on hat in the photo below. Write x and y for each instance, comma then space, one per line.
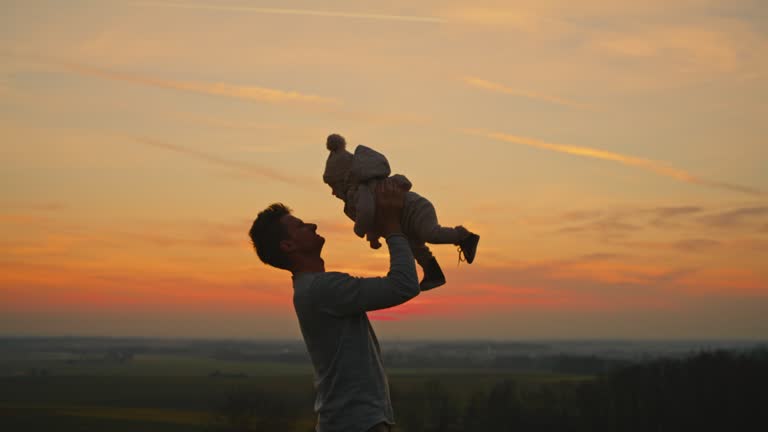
339, 161
335, 142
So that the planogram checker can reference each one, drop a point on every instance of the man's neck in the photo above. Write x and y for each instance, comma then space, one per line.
311, 265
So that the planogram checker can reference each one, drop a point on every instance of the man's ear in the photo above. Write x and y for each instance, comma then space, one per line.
287, 246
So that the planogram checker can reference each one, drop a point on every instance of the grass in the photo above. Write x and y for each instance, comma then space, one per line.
168, 393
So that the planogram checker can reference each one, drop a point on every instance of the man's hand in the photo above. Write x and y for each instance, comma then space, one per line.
389, 207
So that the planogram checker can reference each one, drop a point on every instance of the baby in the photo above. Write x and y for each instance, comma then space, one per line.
353, 179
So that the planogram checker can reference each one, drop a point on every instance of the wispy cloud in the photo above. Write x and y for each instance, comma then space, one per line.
668, 217
500, 88
609, 228
243, 167
696, 244
656, 167
701, 45
5, 85
528, 21
228, 123
302, 12
620, 226
35, 206
669, 212
737, 217
250, 93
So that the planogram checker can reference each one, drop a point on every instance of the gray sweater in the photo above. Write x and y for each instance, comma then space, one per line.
352, 388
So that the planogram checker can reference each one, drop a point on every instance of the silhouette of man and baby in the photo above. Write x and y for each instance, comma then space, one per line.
351, 385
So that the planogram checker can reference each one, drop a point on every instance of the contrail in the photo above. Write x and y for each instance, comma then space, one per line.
260, 94
656, 167
305, 12
251, 93
238, 165
500, 88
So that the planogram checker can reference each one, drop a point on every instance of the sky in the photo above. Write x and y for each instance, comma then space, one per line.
611, 154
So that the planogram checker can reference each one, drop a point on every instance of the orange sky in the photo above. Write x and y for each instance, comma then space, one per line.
612, 155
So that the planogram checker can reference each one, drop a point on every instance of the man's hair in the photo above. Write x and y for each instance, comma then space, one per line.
266, 234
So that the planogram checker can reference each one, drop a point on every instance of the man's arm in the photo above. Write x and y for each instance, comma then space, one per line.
342, 294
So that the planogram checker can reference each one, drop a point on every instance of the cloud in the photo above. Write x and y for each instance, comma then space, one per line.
727, 282
665, 216
656, 167
228, 123
696, 244
30, 212
669, 212
320, 104
693, 44
249, 93
607, 227
118, 291
489, 297
170, 241
668, 231
22, 218
602, 256
500, 88
242, 167
583, 214
623, 46
300, 12
516, 19
735, 218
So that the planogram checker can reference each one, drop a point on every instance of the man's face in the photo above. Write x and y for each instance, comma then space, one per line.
302, 237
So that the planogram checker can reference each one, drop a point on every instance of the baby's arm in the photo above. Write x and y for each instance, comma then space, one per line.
373, 239
365, 209
402, 182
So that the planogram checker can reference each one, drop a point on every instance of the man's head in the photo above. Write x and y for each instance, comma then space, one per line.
281, 239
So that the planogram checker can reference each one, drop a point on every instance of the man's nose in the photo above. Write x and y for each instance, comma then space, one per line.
314, 227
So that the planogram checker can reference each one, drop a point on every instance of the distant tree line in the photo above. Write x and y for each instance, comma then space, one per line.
563, 363
720, 390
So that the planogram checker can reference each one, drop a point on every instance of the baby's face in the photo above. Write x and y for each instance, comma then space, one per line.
337, 192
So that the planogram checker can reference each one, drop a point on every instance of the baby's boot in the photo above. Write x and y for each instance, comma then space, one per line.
433, 275
468, 247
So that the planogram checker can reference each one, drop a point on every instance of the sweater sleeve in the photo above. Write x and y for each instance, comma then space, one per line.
340, 294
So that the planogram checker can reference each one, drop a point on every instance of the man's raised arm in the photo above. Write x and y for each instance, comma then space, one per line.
343, 294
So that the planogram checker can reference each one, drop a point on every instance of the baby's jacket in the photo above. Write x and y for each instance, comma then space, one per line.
369, 167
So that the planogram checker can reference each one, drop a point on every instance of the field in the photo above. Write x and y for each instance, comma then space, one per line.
81, 384
47, 391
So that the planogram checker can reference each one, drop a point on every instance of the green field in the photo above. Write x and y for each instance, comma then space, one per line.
54, 391
82, 384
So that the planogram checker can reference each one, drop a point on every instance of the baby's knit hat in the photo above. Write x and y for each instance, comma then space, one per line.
339, 161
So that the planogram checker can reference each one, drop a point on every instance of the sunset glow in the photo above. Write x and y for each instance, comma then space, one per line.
611, 154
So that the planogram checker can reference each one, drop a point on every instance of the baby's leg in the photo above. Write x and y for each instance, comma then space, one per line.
433, 274
421, 252
427, 229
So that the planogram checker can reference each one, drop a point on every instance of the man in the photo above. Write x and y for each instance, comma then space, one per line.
352, 388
